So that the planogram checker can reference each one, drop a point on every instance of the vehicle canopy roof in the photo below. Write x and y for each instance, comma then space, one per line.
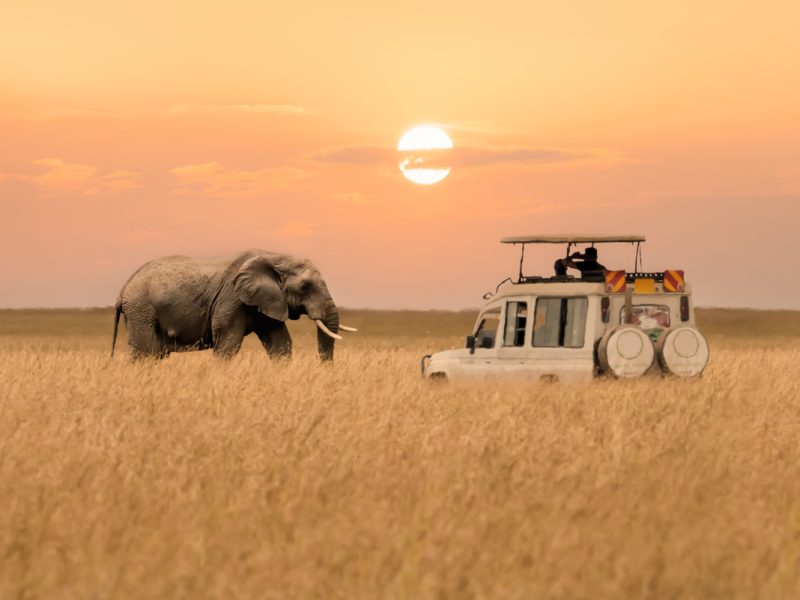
574, 238
570, 238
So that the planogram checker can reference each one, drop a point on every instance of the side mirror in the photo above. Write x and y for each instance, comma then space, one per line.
471, 343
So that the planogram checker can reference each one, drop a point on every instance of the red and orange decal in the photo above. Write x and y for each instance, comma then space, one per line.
673, 281
615, 281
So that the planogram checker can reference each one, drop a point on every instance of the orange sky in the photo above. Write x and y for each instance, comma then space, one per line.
201, 129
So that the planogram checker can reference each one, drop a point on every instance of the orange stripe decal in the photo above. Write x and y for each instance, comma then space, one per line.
615, 281
673, 280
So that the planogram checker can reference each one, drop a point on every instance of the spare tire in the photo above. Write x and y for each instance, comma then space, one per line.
625, 351
683, 351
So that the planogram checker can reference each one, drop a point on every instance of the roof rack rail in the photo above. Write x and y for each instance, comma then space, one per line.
571, 239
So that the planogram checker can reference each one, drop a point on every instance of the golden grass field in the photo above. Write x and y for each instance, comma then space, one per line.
194, 478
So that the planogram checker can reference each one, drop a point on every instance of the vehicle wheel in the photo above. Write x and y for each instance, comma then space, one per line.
683, 351
625, 351
439, 377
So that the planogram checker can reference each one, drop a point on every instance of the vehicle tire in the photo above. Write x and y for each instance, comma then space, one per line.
625, 351
683, 352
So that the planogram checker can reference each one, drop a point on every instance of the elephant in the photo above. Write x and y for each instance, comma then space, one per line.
177, 303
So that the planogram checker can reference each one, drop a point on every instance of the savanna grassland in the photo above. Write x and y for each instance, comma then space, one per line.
193, 477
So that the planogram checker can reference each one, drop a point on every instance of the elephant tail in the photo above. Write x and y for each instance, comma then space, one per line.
118, 312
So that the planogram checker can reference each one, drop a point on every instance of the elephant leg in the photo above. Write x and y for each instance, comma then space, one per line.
276, 341
144, 339
228, 336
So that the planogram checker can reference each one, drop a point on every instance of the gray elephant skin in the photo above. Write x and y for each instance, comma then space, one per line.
178, 303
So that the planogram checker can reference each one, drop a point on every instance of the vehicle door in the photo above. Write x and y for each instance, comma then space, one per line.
561, 341
483, 354
513, 350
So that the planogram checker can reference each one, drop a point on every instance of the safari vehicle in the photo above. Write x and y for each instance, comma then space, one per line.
564, 327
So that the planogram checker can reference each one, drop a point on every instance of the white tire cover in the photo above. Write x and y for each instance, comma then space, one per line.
683, 351
626, 351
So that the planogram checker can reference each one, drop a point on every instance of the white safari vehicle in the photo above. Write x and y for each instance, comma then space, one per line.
564, 327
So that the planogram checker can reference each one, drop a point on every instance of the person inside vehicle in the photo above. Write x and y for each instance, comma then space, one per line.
560, 268
587, 264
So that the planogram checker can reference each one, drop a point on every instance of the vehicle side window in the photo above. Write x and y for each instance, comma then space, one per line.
487, 329
575, 325
560, 322
516, 319
547, 322
652, 318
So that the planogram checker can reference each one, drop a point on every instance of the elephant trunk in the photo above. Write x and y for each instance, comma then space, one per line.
324, 341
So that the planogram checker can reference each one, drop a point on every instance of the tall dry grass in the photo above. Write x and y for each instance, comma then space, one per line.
193, 477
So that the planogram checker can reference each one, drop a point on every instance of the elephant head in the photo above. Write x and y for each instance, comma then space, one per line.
283, 287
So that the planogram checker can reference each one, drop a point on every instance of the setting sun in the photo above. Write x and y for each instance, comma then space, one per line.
417, 147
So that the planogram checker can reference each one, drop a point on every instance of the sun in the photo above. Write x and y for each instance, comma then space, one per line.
423, 151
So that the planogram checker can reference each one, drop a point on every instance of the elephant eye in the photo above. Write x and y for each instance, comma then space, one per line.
305, 287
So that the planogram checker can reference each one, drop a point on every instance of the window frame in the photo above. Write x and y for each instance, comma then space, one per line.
494, 311
524, 329
563, 319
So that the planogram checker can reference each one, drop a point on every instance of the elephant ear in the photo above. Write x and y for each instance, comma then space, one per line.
257, 284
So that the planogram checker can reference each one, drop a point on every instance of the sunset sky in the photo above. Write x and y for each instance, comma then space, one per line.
134, 130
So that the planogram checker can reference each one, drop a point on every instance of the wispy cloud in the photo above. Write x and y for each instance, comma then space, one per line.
357, 155
45, 113
262, 109
542, 155
216, 180
60, 176
472, 156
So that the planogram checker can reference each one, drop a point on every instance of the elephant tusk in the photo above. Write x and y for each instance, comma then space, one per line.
326, 331
346, 328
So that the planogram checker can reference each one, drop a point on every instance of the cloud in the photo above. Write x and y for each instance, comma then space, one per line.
42, 114
60, 176
39, 114
471, 156
357, 155
476, 157
216, 180
705, 196
540, 156
271, 109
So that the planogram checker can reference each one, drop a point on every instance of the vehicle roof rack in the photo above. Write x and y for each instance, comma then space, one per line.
575, 238
568, 238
